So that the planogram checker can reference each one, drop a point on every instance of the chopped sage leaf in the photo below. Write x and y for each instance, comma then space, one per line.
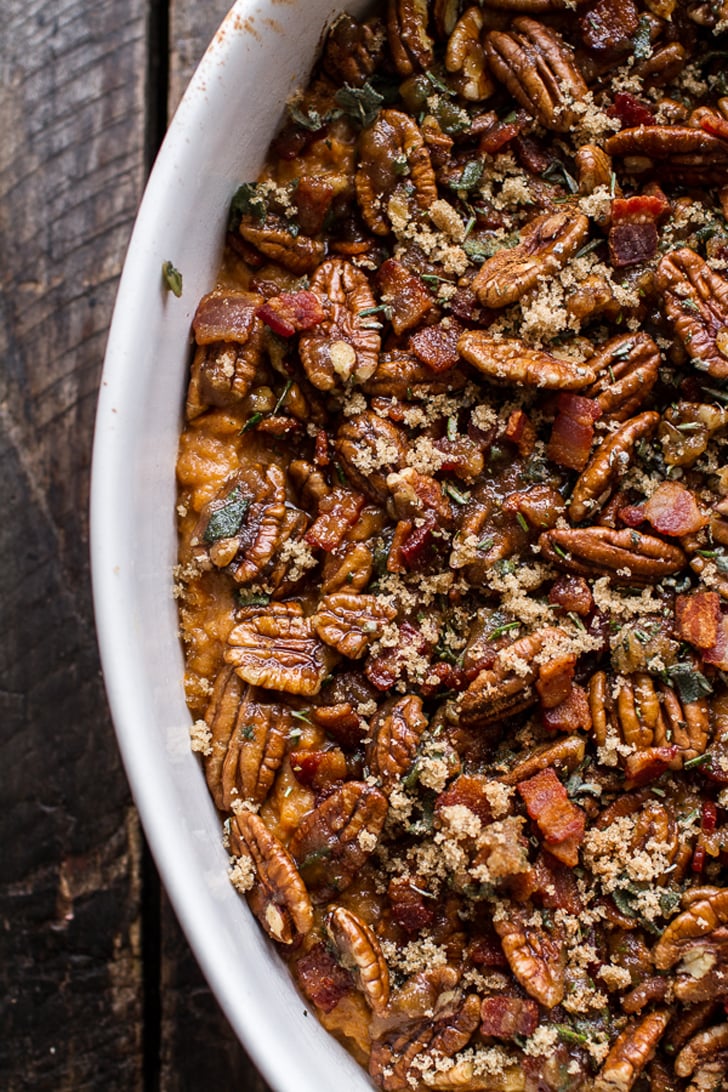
172, 278
226, 519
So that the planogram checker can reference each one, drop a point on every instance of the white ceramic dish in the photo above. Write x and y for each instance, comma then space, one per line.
218, 138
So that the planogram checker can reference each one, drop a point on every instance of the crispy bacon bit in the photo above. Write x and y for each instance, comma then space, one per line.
337, 512
698, 618
571, 715
436, 346
573, 594
411, 910
609, 25
468, 791
560, 821
631, 111
317, 769
673, 510
496, 138
384, 670
717, 654
521, 432
644, 766
405, 293
633, 231
291, 312
505, 1017
322, 979
485, 950
572, 434
225, 316
555, 680
414, 548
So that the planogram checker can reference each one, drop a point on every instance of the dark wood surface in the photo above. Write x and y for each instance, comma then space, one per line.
98, 989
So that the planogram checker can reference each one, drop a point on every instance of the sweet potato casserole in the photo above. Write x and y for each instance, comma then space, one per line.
453, 573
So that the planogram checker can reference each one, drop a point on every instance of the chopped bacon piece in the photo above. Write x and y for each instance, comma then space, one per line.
225, 316
468, 791
609, 25
717, 654
384, 670
337, 512
321, 451
521, 432
322, 979
633, 232
291, 312
406, 294
573, 594
698, 618
572, 434
465, 306
313, 197
411, 910
631, 111
414, 548
645, 765
317, 769
496, 138
555, 680
485, 950
531, 154
505, 1017
571, 715
436, 346
673, 510
560, 821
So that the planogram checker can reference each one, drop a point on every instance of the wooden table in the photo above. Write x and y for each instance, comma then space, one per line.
97, 986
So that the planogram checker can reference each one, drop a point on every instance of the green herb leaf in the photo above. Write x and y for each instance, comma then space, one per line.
172, 278
458, 495
689, 683
225, 520
307, 119
694, 763
246, 202
361, 103
470, 177
557, 173
253, 599
641, 44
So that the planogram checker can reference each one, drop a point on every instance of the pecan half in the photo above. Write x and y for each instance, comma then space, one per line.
686, 429
547, 243
536, 958
465, 57
395, 1056
696, 302
230, 339
353, 50
275, 647
396, 731
512, 361
296, 252
683, 153
507, 687
350, 622
279, 899
409, 41
370, 448
627, 367
395, 178
248, 744
334, 840
701, 1049
626, 556
344, 345
360, 952
403, 376
631, 1052
608, 464
538, 69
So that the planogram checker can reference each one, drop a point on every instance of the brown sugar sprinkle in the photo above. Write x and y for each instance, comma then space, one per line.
453, 565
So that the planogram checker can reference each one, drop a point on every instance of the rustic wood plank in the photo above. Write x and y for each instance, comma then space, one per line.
198, 1049
72, 115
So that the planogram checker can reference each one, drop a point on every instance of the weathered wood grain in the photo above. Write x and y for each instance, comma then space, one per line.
191, 28
72, 110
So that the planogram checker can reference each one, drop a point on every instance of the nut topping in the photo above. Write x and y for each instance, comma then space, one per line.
275, 647
696, 302
395, 176
279, 899
343, 346
359, 950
